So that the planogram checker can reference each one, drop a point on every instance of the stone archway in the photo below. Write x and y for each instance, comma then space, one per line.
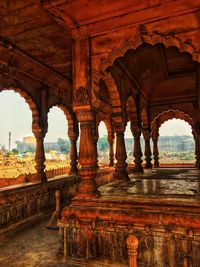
143, 37
110, 136
168, 115
159, 120
147, 38
32, 105
73, 133
38, 131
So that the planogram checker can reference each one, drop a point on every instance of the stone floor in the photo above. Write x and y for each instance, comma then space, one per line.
36, 246
163, 183
33, 246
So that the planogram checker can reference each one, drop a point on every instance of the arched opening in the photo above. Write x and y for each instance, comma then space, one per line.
103, 145
128, 139
17, 142
176, 143
57, 143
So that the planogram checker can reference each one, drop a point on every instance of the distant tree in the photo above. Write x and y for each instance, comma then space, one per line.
64, 146
102, 144
181, 146
15, 151
2, 148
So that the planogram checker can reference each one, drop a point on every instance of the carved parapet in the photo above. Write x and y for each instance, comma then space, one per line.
132, 245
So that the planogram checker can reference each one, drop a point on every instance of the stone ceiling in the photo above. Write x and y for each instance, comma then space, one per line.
28, 26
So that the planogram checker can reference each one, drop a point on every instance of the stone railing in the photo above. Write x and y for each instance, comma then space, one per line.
56, 172
27, 177
27, 202
104, 176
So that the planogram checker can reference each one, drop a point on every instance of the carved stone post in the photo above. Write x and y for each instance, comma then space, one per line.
40, 156
87, 156
147, 150
111, 151
155, 151
196, 134
137, 153
120, 155
96, 138
132, 245
73, 156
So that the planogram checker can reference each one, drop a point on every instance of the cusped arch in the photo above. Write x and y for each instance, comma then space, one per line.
143, 37
112, 90
107, 124
167, 41
169, 115
32, 105
71, 119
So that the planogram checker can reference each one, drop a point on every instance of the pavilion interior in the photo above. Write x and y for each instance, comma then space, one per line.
125, 63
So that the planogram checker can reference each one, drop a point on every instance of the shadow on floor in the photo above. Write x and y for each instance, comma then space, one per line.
30, 246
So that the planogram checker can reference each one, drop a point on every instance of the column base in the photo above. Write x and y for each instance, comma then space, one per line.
121, 175
39, 177
111, 164
137, 168
73, 171
156, 165
87, 189
148, 166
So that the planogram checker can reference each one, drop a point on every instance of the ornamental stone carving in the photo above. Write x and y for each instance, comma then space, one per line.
81, 96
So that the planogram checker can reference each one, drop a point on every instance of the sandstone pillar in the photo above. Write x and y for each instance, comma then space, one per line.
120, 155
196, 134
96, 138
137, 151
40, 157
111, 151
155, 151
73, 156
87, 156
147, 151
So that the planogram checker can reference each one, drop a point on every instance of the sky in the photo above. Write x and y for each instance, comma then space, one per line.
16, 118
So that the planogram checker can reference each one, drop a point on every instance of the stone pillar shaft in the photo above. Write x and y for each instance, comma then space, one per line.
137, 151
155, 152
147, 152
111, 152
40, 157
196, 134
73, 156
87, 157
96, 149
120, 166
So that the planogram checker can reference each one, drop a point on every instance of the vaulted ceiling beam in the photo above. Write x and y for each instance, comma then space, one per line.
10, 46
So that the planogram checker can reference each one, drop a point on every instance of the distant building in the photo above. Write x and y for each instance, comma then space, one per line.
29, 145
51, 146
176, 143
29, 140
